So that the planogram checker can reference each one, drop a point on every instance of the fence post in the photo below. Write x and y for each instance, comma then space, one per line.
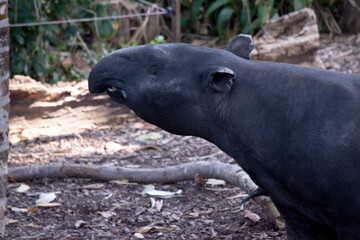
4, 109
176, 21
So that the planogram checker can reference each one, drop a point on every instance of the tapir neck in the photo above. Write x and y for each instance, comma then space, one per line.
253, 115
255, 122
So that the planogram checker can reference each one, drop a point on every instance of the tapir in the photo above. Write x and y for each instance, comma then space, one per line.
294, 130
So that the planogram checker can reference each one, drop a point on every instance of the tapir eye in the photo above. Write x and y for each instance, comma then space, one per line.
154, 69
112, 89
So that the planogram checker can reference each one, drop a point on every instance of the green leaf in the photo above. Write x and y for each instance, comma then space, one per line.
271, 3
18, 38
262, 12
243, 16
22, 67
246, 10
183, 21
195, 7
39, 69
215, 6
53, 40
50, 28
249, 28
309, 3
224, 16
105, 29
299, 4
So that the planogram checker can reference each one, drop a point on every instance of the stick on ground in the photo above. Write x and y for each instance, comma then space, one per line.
230, 173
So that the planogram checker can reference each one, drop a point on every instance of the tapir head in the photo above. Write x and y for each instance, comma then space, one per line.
169, 85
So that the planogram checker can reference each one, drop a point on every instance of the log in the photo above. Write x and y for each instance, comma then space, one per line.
292, 38
32, 99
208, 169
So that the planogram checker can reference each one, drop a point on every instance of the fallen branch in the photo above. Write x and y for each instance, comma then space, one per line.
208, 169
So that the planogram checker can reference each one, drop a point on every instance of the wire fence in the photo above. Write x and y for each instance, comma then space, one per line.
158, 11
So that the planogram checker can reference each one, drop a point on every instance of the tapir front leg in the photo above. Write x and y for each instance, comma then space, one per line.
302, 228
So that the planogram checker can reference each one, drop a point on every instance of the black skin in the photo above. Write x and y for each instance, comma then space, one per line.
294, 130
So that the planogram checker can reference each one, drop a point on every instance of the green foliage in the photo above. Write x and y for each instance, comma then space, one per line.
158, 39
40, 51
32, 48
195, 8
238, 16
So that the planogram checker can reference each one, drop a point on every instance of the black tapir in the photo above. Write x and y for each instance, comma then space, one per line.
294, 130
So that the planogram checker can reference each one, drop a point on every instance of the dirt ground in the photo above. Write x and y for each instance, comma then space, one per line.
102, 132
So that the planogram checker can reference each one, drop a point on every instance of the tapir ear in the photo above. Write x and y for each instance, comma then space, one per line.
241, 46
220, 79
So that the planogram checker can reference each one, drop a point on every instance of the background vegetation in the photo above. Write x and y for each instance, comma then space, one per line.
41, 51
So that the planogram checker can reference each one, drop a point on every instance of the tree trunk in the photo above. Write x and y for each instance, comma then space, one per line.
349, 20
4, 109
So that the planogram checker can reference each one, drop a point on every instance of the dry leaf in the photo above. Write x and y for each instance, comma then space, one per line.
150, 229
9, 221
108, 196
22, 188
79, 223
138, 125
199, 180
14, 139
240, 195
95, 186
239, 209
113, 146
116, 147
196, 214
50, 204
252, 216
46, 197
215, 182
145, 229
174, 216
88, 149
106, 214
151, 191
26, 135
213, 233
152, 202
33, 225
123, 182
149, 136
158, 205
15, 209
11, 179
139, 235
